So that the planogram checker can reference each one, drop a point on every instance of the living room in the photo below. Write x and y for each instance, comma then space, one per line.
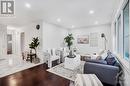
62, 43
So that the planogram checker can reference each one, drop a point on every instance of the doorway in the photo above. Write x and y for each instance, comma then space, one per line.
22, 37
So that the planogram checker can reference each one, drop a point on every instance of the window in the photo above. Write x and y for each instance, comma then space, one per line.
126, 34
123, 33
119, 36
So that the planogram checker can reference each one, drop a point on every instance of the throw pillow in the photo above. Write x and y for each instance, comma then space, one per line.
99, 58
110, 59
104, 55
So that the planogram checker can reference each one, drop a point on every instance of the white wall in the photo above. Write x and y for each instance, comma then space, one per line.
30, 32
53, 36
50, 35
85, 48
3, 40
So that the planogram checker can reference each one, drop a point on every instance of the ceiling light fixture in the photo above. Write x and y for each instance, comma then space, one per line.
96, 22
72, 26
58, 20
27, 5
91, 12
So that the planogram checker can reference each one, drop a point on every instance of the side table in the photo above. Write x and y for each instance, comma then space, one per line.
72, 63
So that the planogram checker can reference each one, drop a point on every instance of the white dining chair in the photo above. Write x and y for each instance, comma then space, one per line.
54, 55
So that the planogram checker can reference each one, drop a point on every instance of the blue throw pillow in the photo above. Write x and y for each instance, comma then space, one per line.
110, 61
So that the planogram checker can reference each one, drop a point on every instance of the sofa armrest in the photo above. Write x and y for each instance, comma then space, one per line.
106, 73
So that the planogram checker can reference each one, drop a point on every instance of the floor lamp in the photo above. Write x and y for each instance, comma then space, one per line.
105, 42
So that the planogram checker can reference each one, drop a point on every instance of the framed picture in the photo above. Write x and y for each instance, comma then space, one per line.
84, 39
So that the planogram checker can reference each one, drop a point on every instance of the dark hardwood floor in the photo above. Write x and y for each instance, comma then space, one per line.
36, 76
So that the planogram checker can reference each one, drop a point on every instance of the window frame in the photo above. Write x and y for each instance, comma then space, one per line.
126, 3
120, 14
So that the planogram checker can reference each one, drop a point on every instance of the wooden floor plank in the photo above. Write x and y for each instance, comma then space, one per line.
36, 76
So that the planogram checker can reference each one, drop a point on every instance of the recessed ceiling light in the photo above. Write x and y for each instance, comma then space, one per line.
91, 12
96, 22
72, 26
27, 5
58, 20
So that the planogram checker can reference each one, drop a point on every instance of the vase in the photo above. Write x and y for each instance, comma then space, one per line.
71, 54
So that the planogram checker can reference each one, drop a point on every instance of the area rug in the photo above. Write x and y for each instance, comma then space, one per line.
66, 73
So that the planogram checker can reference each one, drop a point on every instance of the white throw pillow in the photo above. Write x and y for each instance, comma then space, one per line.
93, 56
104, 55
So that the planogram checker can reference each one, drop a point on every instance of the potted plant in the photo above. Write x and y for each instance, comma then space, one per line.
69, 41
34, 44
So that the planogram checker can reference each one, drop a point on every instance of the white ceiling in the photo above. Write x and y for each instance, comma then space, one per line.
71, 12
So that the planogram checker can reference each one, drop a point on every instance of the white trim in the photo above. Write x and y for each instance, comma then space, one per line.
120, 12
129, 31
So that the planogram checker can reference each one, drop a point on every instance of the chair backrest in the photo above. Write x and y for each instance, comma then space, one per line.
48, 51
65, 53
46, 55
25, 54
54, 52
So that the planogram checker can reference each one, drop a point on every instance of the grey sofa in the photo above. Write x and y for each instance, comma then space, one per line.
106, 73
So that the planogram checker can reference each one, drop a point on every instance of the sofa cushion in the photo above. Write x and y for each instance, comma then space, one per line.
96, 61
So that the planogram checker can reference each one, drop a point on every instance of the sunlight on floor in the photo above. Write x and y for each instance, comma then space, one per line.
11, 65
